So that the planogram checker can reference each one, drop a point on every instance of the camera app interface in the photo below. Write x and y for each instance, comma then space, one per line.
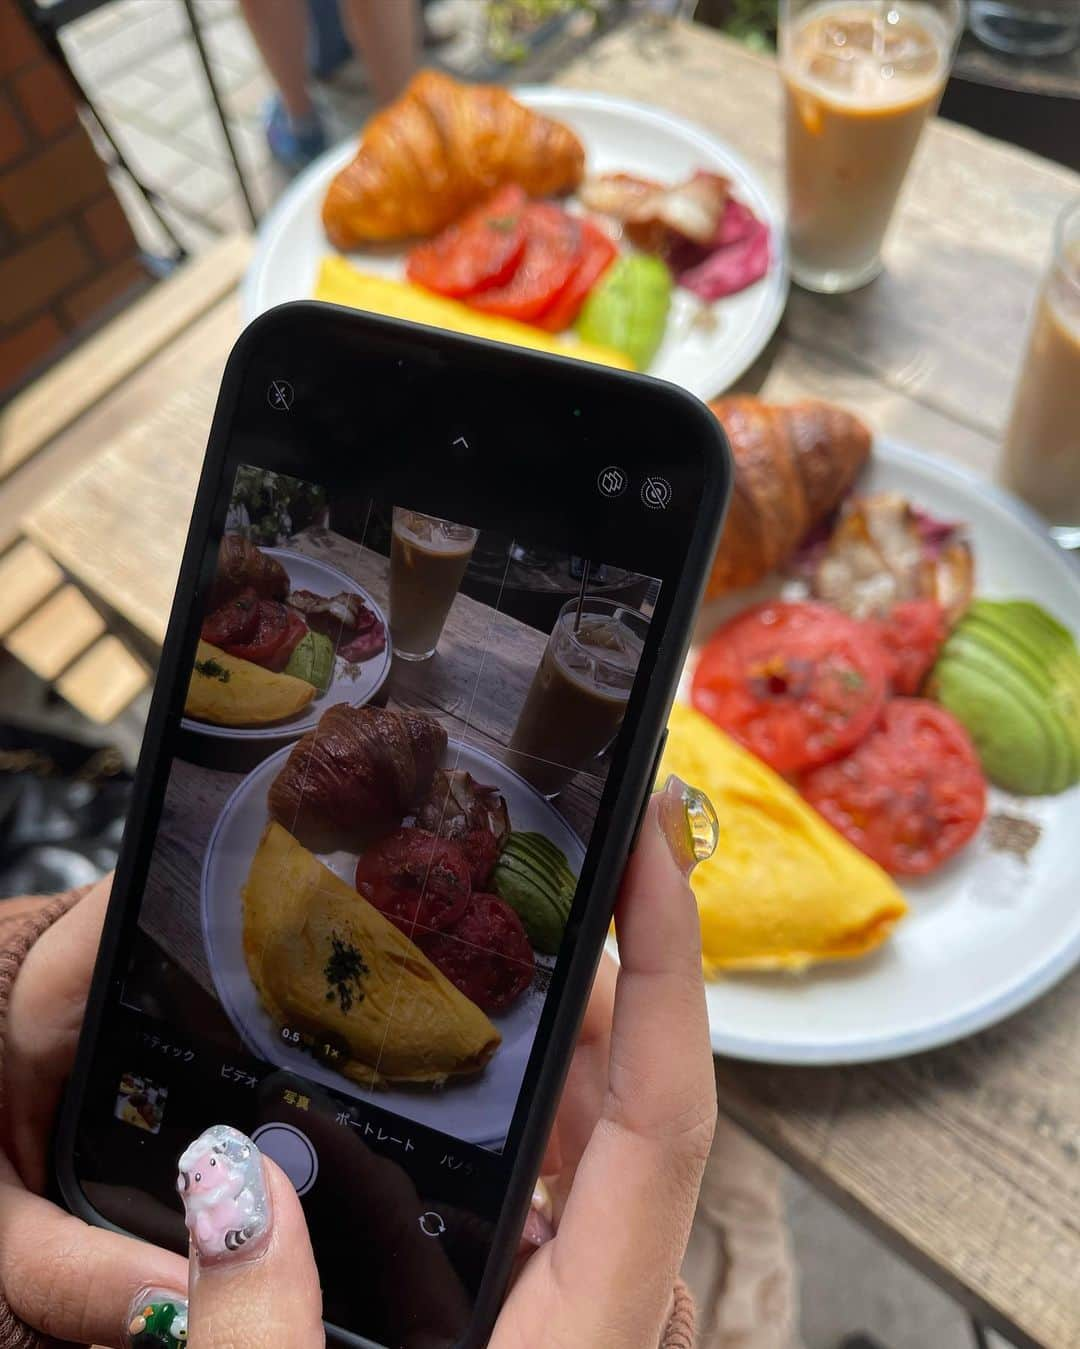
395, 737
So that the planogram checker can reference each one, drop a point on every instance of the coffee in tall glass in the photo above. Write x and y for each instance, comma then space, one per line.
428, 557
1042, 444
860, 80
577, 699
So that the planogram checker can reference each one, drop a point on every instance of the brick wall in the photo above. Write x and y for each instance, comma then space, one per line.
67, 253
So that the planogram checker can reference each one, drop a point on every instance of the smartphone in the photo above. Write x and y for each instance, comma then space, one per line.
430, 617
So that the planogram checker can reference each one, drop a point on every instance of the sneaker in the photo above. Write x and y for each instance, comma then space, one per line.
293, 144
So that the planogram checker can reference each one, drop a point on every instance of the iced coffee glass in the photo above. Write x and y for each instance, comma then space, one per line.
428, 557
577, 699
860, 80
1041, 459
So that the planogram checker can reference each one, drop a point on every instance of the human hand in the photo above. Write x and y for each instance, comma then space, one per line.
59, 1275
622, 1169
624, 1165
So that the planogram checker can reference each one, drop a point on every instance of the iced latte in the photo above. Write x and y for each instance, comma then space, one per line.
860, 80
428, 557
578, 695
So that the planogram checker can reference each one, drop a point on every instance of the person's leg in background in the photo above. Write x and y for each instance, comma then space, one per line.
739, 1264
386, 33
280, 30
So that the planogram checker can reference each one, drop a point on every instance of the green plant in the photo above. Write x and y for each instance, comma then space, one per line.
509, 22
753, 22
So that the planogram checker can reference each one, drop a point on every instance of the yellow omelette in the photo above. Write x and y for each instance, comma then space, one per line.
326, 962
783, 889
229, 691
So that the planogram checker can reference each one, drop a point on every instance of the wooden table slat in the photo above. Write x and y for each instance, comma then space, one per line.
38, 413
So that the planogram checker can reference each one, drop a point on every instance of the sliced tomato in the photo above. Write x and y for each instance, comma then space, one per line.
486, 954
552, 251
598, 252
416, 880
911, 637
234, 622
911, 795
277, 632
481, 249
798, 684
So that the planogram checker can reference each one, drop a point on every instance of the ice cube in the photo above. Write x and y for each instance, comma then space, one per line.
855, 35
909, 49
835, 72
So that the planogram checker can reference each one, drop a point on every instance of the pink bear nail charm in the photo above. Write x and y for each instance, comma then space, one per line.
221, 1183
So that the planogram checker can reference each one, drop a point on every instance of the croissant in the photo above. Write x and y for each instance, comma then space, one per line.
355, 775
243, 566
793, 466
439, 149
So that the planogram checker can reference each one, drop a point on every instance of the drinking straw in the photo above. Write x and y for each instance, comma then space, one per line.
581, 596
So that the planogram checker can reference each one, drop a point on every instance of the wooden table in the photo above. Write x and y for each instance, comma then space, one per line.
482, 651
966, 1160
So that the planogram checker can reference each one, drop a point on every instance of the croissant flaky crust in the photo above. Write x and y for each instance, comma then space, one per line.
793, 466
439, 149
355, 775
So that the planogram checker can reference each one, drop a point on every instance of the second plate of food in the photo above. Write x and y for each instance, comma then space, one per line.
311, 583
476, 1107
706, 345
995, 924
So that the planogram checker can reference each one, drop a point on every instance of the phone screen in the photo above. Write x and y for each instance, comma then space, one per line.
398, 721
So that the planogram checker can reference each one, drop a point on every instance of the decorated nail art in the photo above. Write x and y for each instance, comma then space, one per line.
688, 823
221, 1184
158, 1320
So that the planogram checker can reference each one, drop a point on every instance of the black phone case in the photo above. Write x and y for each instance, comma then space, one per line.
628, 808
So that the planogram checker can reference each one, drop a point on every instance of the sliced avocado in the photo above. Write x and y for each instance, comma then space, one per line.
1046, 655
535, 853
1033, 617
1039, 700
312, 659
1026, 624
1015, 743
534, 878
525, 876
1000, 645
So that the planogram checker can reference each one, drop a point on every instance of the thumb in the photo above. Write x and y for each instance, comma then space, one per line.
253, 1281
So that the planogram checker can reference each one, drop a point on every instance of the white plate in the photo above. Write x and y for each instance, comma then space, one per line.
617, 135
308, 573
986, 934
477, 1111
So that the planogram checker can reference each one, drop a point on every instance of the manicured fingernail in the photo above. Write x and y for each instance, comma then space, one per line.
538, 1225
225, 1202
688, 823
158, 1320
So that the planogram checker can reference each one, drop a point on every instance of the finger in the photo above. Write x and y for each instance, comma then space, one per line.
625, 1226
45, 1013
70, 1281
586, 1082
579, 1109
254, 1284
